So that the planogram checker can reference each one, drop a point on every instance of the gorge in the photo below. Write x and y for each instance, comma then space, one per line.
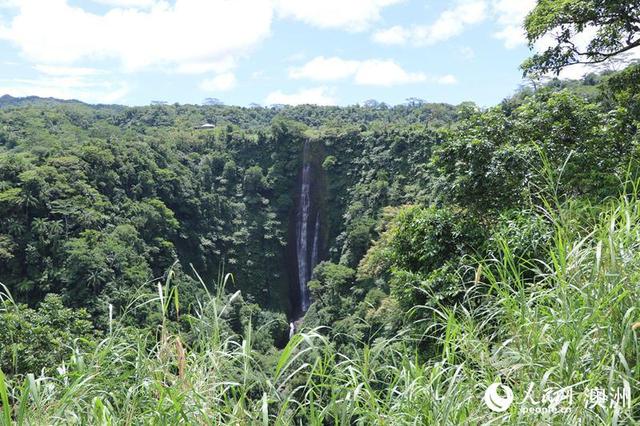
413, 263
306, 230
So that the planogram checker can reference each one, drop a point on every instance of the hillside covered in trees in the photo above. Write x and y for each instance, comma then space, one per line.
98, 201
155, 270
100, 204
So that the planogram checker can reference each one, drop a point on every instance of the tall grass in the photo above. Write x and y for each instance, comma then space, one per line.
565, 321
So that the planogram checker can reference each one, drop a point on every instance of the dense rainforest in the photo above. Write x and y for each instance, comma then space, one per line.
97, 201
368, 264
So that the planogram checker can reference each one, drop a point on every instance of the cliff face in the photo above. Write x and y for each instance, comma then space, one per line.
307, 226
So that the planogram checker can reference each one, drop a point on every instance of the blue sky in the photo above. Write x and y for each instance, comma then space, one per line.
263, 51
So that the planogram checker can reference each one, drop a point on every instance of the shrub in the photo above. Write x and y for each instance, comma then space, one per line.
32, 340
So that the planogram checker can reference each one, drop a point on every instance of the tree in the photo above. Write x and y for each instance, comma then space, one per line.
213, 102
479, 167
414, 102
426, 248
371, 103
99, 262
612, 27
36, 339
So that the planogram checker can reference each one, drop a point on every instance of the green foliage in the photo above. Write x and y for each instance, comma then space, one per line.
32, 340
330, 288
426, 247
492, 160
90, 218
457, 253
377, 262
533, 338
74, 174
619, 94
614, 22
426, 238
336, 279
527, 235
480, 167
98, 264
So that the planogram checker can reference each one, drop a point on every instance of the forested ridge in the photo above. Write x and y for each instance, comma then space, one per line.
97, 201
148, 262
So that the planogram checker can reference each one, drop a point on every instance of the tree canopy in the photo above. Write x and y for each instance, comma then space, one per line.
580, 32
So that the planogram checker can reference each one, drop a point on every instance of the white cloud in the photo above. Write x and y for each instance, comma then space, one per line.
67, 87
188, 32
219, 83
67, 82
394, 35
62, 71
370, 72
220, 66
351, 15
451, 23
127, 3
9, 4
510, 15
512, 36
376, 72
316, 96
447, 79
325, 69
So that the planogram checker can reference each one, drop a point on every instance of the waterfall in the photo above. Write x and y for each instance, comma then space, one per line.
316, 242
306, 251
302, 236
